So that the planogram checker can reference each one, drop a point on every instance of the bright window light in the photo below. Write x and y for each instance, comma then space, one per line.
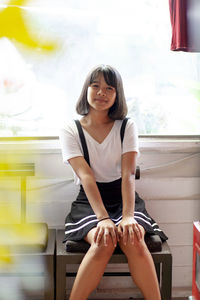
38, 90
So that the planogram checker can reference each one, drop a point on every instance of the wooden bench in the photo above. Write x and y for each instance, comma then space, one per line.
161, 256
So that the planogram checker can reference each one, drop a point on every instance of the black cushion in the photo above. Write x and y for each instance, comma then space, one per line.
153, 243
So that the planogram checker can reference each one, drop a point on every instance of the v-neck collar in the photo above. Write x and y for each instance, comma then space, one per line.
105, 139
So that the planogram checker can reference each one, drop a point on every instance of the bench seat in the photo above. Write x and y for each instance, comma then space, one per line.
161, 256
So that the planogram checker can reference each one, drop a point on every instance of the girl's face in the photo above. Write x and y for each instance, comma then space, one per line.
100, 95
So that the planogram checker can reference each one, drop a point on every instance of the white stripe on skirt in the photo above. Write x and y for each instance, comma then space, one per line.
82, 226
88, 217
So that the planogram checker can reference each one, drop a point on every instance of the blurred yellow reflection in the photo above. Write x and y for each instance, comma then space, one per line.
5, 257
15, 26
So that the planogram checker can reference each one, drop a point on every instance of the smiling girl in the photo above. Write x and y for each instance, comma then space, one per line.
107, 210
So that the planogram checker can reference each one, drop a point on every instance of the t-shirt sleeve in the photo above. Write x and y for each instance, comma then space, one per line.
130, 142
69, 141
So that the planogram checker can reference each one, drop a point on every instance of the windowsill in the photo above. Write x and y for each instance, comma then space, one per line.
147, 143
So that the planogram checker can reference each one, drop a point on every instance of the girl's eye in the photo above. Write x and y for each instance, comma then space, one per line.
95, 85
110, 88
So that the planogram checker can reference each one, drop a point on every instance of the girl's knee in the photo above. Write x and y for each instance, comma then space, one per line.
138, 247
102, 250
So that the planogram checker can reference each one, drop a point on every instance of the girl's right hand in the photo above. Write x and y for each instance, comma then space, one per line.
106, 229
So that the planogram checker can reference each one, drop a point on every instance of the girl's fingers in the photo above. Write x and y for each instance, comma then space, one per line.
106, 236
99, 236
96, 234
125, 235
106, 232
138, 232
120, 232
131, 235
114, 237
110, 233
128, 228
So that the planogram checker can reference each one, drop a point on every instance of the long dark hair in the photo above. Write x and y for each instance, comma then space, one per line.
118, 111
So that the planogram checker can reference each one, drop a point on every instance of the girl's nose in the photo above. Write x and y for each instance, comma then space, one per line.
101, 91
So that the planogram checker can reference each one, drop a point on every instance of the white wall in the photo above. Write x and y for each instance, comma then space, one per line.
172, 196
170, 184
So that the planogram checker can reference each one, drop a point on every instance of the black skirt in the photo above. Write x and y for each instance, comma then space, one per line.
82, 218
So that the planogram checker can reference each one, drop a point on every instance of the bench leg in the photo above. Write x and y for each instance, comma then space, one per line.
166, 284
49, 278
60, 279
157, 267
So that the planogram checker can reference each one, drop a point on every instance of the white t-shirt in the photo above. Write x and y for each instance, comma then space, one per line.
105, 157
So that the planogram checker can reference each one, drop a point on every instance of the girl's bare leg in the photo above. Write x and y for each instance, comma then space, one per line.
142, 267
91, 268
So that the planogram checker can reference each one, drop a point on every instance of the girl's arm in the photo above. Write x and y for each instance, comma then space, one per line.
84, 172
128, 226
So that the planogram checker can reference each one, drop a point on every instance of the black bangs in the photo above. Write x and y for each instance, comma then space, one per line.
108, 74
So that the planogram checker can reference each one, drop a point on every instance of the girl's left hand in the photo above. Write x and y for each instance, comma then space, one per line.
128, 228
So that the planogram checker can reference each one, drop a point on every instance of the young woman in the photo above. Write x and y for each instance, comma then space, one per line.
107, 210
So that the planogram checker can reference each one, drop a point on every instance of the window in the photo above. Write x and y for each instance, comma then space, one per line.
38, 91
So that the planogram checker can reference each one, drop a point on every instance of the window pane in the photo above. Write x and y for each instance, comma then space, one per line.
38, 91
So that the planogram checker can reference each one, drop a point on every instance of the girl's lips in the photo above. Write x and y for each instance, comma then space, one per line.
101, 100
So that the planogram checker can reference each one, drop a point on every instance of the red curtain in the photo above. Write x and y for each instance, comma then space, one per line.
178, 15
